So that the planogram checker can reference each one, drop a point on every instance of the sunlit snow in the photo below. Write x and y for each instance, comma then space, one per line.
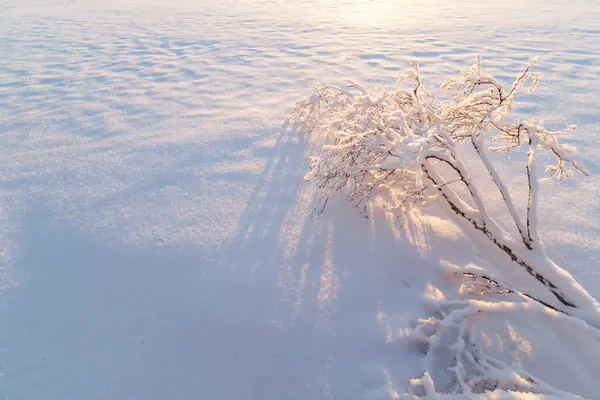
155, 232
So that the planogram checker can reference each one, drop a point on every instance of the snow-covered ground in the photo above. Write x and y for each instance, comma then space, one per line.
155, 237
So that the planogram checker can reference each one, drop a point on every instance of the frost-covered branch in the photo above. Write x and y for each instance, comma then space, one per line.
408, 142
449, 340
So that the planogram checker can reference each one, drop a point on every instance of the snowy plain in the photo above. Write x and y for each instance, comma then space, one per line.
155, 236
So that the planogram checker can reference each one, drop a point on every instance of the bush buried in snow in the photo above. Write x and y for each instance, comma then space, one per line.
409, 141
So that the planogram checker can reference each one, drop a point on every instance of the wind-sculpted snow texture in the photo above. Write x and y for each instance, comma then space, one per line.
155, 231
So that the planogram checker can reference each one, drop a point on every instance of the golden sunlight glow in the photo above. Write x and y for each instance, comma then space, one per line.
368, 12
522, 343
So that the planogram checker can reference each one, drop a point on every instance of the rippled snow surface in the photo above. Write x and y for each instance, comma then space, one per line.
153, 234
